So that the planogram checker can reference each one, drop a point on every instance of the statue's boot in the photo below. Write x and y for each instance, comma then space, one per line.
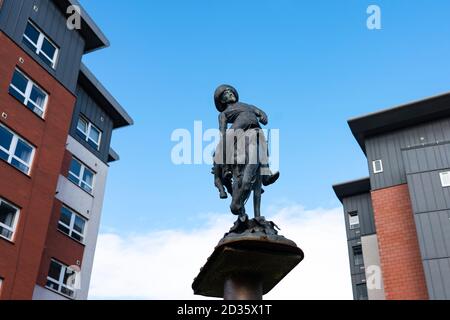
223, 195
269, 179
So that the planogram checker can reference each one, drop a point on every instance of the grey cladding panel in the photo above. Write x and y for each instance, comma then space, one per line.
385, 150
88, 108
431, 206
388, 147
13, 20
433, 157
423, 167
357, 280
438, 284
363, 205
434, 234
354, 269
427, 193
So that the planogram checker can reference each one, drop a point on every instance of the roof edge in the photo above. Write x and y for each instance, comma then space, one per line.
352, 188
120, 117
95, 38
399, 117
113, 156
413, 102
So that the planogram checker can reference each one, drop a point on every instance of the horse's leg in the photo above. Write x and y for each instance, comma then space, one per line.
218, 181
249, 180
257, 197
219, 185
237, 205
242, 185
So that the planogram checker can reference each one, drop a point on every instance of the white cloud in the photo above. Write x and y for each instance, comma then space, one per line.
162, 265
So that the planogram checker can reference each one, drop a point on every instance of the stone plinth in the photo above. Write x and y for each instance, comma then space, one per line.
247, 266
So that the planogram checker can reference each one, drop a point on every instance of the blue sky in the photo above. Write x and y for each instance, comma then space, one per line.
311, 65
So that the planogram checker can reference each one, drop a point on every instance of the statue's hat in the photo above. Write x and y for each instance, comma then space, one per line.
218, 94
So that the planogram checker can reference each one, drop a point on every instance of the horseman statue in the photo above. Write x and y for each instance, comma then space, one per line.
252, 258
241, 162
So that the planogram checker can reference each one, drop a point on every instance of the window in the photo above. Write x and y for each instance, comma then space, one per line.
34, 39
358, 256
15, 150
89, 132
61, 278
81, 175
9, 215
28, 93
377, 166
361, 291
353, 220
445, 179
72, 224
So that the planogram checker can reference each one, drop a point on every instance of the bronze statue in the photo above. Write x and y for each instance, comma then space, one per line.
251, 258
241, 158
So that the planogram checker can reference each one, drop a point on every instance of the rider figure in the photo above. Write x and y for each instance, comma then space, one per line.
243, 117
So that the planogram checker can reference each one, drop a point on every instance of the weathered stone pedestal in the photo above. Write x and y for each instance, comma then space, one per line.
248, 262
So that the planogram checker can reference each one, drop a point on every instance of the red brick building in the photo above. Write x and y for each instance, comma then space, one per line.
56, 122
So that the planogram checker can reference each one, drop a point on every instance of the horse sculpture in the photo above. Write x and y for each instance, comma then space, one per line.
241, 159
244, 179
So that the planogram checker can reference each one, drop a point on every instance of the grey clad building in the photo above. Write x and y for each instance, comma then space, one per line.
398, 218
361, 236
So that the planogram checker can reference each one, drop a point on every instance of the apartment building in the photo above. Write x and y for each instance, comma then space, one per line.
56, 123
398, 218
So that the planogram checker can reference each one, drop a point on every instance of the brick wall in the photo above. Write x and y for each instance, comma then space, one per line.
400, 257
59, 246
34, 195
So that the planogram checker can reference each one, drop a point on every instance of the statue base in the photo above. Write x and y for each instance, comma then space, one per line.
248, 262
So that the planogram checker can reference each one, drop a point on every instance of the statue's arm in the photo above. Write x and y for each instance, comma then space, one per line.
261, 115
